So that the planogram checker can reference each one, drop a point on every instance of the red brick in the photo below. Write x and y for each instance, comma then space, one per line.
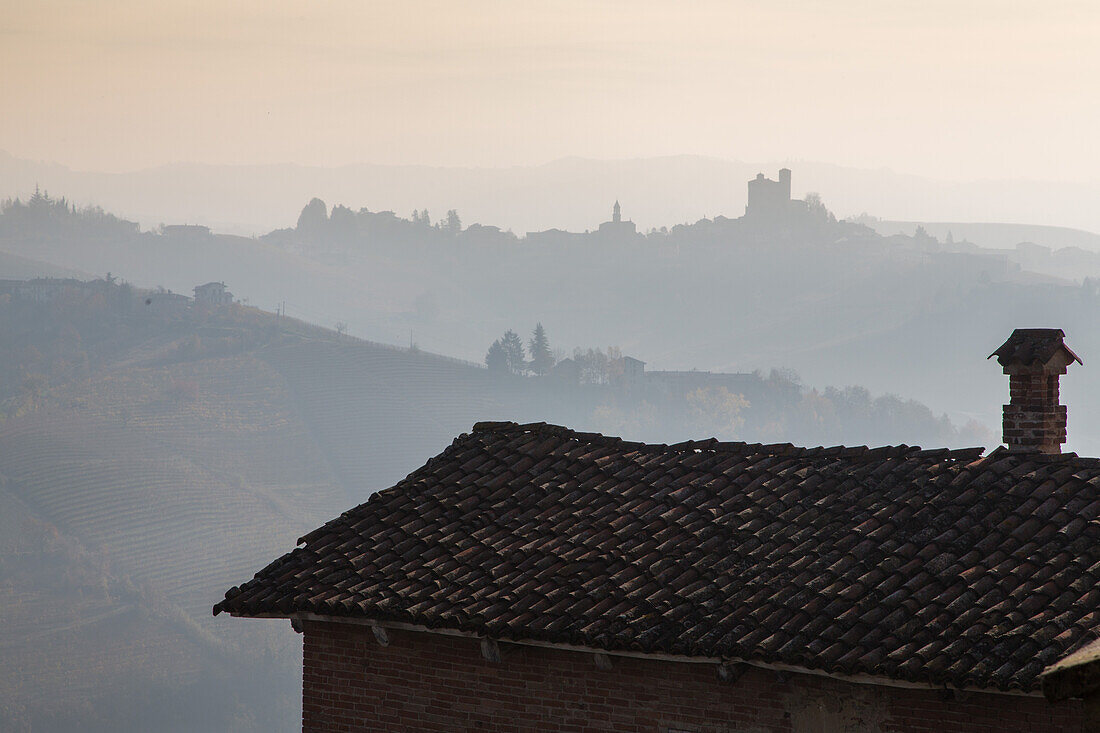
429, 682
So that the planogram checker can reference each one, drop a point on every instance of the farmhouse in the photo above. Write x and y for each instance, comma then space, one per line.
162, 303
213, 293
531, 577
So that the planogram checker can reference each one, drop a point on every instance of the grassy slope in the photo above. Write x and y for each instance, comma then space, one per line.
132, 500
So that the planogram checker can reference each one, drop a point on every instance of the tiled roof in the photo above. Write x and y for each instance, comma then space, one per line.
936, 567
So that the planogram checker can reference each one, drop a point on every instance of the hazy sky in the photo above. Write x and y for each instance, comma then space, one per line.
948, 89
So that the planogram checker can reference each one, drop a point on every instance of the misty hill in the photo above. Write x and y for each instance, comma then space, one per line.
175, 257
814, 294
1061, 252
22, 268
130, 494
155, 451
571, 193
994, 235
720, 294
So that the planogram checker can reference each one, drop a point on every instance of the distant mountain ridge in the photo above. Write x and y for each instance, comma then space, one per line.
570, 193
720, 294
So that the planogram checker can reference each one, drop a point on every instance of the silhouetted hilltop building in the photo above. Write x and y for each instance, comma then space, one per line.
767, 196
673, 385
486, 234
186, 231
555, 236
567, 370
164, 303
617, 228
771, 200
213, 294
633, 371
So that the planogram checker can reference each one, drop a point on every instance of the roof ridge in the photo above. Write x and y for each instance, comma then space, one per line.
738, 446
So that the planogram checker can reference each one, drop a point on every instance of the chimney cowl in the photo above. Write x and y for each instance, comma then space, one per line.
1034, 358
1032, 349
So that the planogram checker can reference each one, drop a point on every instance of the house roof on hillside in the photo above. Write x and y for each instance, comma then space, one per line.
929, 566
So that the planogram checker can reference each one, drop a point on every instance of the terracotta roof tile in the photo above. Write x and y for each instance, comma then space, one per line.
942, 567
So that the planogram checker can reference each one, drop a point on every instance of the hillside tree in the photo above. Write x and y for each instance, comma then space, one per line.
453, 224
592, 365
513, 350
496, 359
342, 224
542, 358
717, 411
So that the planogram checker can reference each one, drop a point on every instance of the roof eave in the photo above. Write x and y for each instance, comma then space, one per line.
863, 679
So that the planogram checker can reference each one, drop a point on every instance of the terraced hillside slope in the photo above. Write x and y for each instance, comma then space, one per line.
134, 496
148, 460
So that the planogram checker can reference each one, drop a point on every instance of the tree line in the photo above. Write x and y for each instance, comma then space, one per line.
42, 215
506, 354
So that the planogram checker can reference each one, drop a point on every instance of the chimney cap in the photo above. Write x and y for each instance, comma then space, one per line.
1036, 347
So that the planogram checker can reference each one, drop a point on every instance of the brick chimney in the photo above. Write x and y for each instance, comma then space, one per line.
1033, 358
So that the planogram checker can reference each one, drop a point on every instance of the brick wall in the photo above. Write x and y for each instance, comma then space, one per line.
1033, 419
428, 682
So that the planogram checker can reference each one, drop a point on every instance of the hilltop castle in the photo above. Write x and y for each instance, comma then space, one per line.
770, 200
769, 206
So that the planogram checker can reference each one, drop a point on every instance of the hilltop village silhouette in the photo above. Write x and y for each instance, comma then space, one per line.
769, 205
